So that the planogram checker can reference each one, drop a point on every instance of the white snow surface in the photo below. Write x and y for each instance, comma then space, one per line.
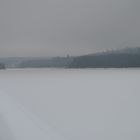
70, 104
17, 124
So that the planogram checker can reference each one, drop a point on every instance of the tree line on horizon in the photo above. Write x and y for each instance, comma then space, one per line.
123, 58
2, 66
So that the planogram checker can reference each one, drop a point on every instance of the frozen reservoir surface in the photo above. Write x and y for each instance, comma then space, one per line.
75, 104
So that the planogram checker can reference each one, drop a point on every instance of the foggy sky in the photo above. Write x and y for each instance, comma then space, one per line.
61, 27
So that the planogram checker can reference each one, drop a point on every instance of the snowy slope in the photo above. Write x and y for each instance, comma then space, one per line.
94, 104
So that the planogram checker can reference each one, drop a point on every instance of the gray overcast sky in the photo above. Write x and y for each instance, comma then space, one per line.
60, 27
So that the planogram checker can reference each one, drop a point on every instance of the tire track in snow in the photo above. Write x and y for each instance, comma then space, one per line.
22, 124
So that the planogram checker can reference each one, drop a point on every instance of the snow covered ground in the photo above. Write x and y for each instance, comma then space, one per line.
75, 104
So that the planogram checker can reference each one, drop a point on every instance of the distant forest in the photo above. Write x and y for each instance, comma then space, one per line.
123, 58
2, 66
